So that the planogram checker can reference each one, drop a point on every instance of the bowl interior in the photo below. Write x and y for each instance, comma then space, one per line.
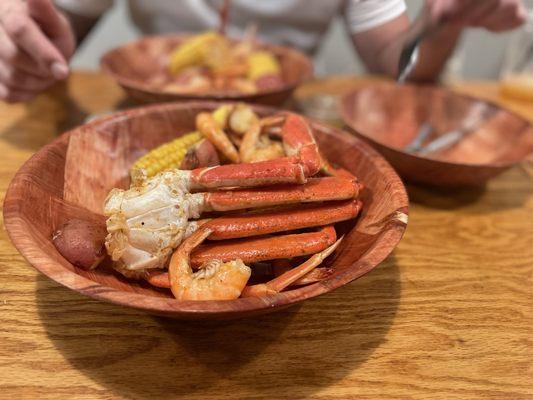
391, 115
143, 65
71, 178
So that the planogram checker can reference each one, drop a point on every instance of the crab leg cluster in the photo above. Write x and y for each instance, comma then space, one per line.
158, 215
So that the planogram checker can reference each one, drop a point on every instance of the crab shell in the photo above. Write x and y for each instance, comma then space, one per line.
146, 222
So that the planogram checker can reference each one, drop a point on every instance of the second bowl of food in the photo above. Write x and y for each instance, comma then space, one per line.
206, 211
434, 136
206, 66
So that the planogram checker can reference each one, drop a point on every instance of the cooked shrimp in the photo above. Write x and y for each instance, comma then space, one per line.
207, 125
215, 280
256, 147
276, 285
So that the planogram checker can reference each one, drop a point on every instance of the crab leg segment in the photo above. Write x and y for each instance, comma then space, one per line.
272, 221
315, 190
276, 285
262, 173
262, 249
298, 140
279, 267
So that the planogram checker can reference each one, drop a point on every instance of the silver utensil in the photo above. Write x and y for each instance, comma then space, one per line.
408, 60
420, 27
416, 144
474, 119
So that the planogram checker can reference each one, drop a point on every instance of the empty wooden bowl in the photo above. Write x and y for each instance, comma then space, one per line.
71, 177
389, 117
137, 65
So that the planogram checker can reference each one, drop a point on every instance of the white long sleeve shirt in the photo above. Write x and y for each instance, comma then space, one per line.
298, 23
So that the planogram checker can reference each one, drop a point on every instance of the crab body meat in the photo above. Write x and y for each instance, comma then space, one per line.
146, 222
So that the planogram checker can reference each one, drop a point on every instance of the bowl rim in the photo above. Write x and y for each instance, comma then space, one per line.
138, 85
344, 111
19, 231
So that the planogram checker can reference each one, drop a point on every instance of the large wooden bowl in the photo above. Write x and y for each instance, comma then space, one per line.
71, 176
389, 117
135, 65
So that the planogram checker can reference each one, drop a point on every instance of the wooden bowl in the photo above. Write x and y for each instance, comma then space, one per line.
71, 176
136, 64
389, 116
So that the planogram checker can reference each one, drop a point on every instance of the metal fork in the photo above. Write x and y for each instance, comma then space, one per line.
475, 118
418, 30
420, 137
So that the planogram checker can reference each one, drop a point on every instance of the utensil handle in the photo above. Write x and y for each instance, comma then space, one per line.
421, 136
527, 165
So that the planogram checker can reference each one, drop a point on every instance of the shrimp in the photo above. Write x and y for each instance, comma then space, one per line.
255, 147
216, 280
208, 127
276, 285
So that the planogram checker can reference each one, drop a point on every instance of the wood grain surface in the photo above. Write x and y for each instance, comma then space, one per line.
499, 141
448, 316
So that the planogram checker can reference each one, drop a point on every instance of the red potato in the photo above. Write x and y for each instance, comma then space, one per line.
202, 154
81, 242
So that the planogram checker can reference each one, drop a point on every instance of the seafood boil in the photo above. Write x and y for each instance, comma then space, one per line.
207, 210
210, 62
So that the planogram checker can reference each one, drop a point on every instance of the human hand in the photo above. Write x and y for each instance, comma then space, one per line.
36, 42
494, 15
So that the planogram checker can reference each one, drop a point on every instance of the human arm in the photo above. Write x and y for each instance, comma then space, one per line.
380, 46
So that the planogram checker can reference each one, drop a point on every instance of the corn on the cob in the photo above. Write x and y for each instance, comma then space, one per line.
261, 63
167, 156
191, 52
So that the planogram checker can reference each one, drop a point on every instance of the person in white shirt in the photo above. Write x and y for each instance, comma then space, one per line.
38, 37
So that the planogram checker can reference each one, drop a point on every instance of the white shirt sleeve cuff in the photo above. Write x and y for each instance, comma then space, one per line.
85, 8
362, 15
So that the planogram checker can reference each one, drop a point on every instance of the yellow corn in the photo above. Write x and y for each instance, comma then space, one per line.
261, 63
167, 156
221, 114
191, 52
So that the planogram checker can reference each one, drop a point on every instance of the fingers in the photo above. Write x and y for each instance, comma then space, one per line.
46, 15
16, 79
477, 13
10, 54
495, 15
35, 40
54, 25
15, 96
25, 33
509, 14
441, 11
27, 37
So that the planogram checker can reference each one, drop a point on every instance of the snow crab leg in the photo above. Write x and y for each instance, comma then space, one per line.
180, 277
279, 283
274, 221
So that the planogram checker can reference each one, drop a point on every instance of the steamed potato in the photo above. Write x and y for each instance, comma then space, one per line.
202, 154
81, 242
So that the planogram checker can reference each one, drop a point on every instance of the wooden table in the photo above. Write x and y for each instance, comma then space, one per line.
449, 315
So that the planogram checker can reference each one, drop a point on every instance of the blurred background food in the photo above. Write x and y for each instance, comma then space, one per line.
481, 55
